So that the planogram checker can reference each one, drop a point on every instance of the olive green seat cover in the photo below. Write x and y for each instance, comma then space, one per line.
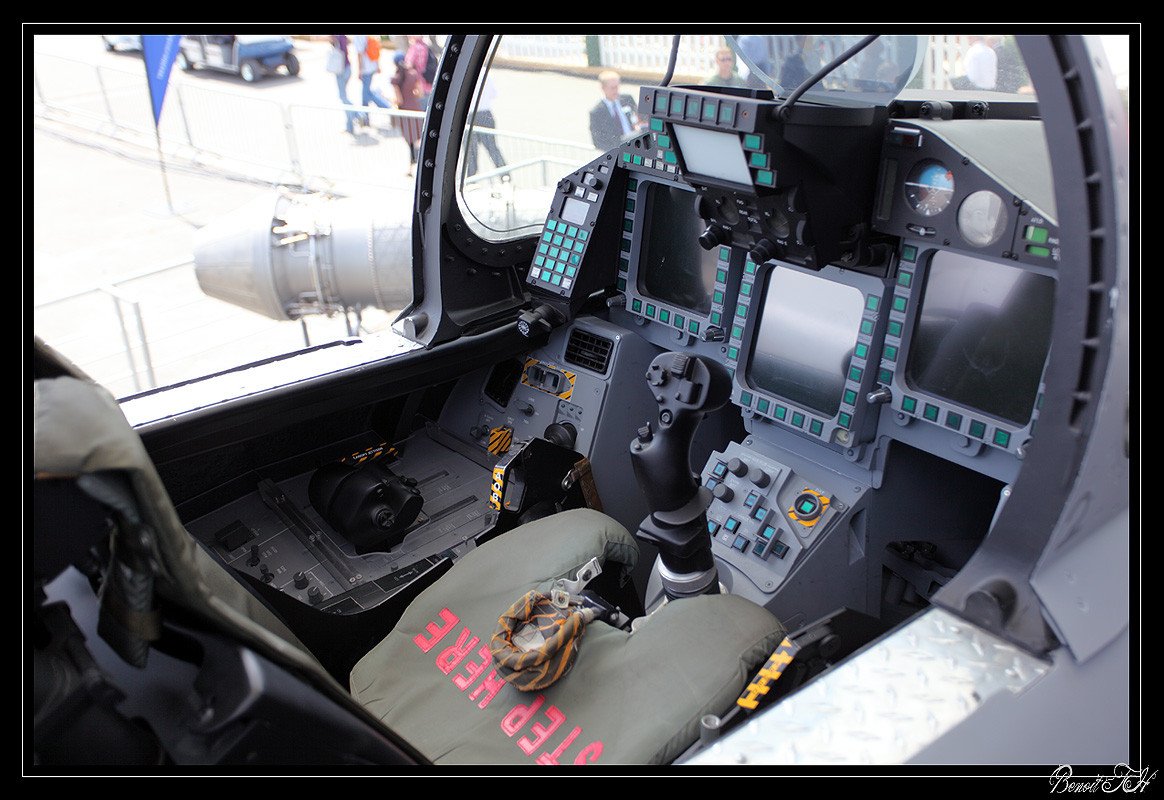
631, 698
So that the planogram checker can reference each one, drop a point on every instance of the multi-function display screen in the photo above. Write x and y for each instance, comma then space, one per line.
672, 267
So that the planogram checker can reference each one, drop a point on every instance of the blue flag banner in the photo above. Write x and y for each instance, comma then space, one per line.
159, 53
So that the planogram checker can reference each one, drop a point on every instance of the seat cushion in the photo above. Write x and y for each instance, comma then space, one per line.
629, 699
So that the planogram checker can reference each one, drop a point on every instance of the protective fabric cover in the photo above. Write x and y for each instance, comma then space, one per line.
560, 630
79, 429
629, 699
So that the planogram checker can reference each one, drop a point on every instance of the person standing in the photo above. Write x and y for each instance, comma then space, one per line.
339, 64
613, 118
368, 54
725, 70
417, 60
483, 118
981, 63
406, 83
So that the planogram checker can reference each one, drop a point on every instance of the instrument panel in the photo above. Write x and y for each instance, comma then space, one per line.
951, 331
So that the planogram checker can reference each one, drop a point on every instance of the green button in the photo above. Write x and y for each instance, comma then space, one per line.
727, 113
725, 253
752, 141
797, 419
762, 406
1033, 233
734, 353
844, 420
556, 252
677, 104
904, 278
638, 160
977, 429
664, 316
656, 123
693, 106
557, 239
543, 248
546, 275
1039, 403
855, 374
1038, 250
663, 141
670, 157
717, 296
575, 259
628, 225
693, 326
636, 305
872, 302
862, 350
909, 253
1001, 437
625, 246
632, 184
816, 426
650, 311
622, 284
571, 272
709, 110
721, 276
737, 332
931, 413
758, 160
890, 353
746, 399
561, 267
885, 376
899, 303
715, 318
908, 404
626, 157
547, 236
583, 235
571, 231
630, 204
556, 279
894, 328
741, 310
953, 420
540, 261
850, 397
765, 177
579, 247
660, 105
750, 267
746, 289
867, 327
553, 224
680, 321
781, 412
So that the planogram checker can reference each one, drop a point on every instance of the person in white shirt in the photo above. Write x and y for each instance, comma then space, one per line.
981, 63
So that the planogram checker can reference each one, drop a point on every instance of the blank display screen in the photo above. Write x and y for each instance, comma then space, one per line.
805, 339
715, 154
672, 267
982, 335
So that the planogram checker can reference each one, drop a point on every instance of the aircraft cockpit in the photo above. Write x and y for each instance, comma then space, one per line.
821, 341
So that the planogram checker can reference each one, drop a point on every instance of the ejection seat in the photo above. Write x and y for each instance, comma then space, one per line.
630, 698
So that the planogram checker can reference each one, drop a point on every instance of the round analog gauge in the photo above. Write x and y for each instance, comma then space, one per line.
929, 188
982, 218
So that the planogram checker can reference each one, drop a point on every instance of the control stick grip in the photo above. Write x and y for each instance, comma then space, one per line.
686, 387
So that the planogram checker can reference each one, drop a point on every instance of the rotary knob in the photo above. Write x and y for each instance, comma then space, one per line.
737, 467
314, 596
301, 580
723, 492
759, 477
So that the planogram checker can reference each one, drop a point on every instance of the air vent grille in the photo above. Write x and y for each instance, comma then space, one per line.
589, 351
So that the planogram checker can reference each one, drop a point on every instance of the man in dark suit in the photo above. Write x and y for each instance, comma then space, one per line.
614, 118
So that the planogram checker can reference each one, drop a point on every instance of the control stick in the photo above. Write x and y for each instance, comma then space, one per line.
686, 388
